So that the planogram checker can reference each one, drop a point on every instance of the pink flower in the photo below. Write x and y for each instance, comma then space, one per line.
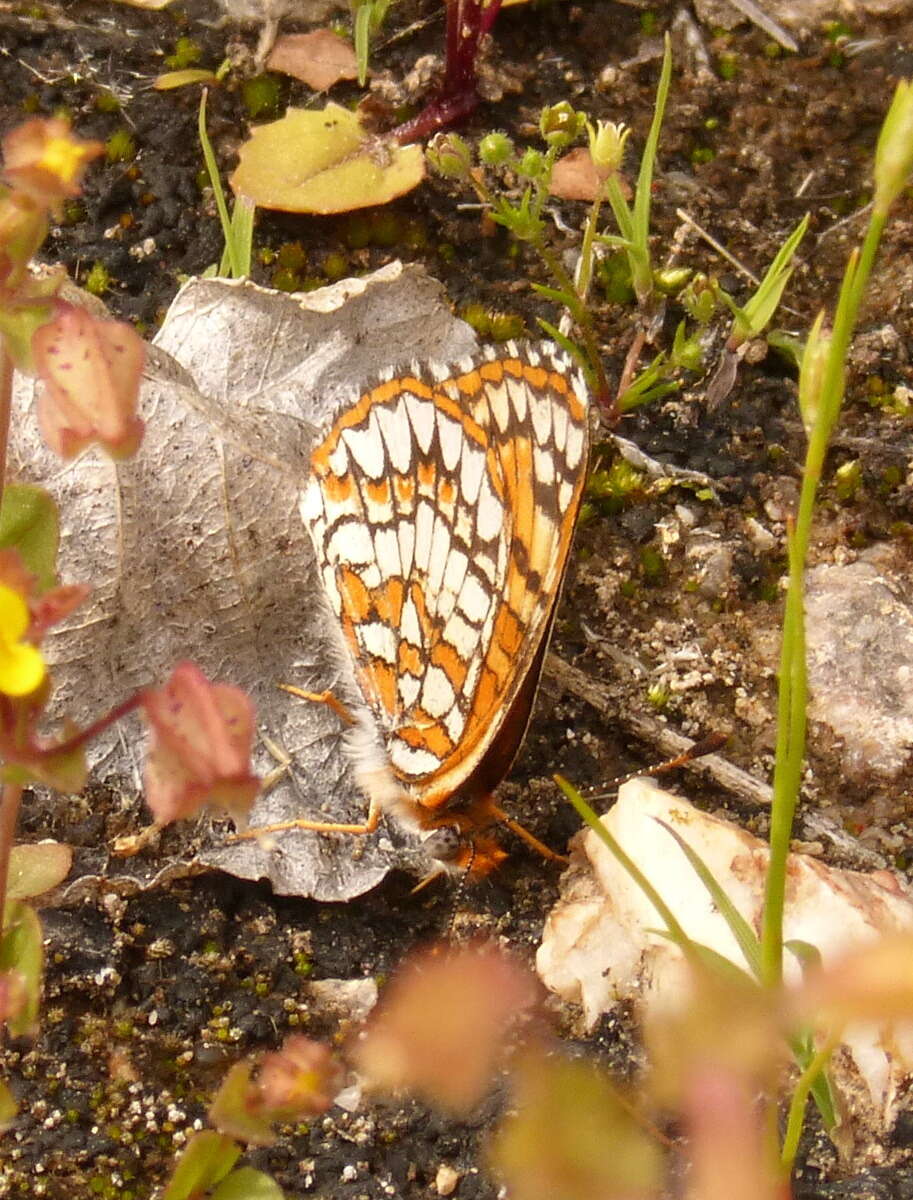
201, 738
91, 370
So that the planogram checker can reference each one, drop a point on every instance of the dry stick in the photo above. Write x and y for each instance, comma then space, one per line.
654, 732
631, 358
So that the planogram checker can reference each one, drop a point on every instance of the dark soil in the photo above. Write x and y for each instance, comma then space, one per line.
150, 998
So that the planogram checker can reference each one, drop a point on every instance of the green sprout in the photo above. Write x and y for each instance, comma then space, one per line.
238, 229
120, 146
367, 19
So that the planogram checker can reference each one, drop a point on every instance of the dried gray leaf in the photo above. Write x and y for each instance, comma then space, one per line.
195, 550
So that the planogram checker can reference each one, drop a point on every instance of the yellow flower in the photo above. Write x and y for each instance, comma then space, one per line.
607, 144
21, 666
43, 159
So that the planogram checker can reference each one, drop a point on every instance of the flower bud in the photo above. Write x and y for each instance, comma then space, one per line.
449, 155
894, 154
532, 164
495, 149
811, 373
560, 124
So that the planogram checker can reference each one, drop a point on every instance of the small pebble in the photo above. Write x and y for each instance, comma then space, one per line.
446, 1180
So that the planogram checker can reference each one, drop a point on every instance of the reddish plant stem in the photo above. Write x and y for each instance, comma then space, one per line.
468, 21
630, 366
10, 799
97, 727
6, 405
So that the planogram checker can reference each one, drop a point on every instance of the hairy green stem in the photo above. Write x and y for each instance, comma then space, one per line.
10, 800
793, 672
6, 407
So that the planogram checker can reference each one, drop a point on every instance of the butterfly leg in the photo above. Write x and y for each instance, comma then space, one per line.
524, 834
370, 823
328, 698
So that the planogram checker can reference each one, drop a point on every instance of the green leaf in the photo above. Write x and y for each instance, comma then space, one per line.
238, 229
571, 349
22, 950
207, 1159
37, 868
231, 1111
324, 161
179, 79
248, 1184
805, 953
644, 189
759, 309
559, 295
29, 524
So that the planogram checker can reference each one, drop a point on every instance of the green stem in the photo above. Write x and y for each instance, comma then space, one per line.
585, 271
10, 799
799, 1099
581, 317
6, 408
791, 723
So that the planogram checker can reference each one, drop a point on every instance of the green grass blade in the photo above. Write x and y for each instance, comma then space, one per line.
212, 168
743, 933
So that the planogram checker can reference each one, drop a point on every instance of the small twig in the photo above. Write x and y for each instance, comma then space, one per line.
758, 17
655, 733
717, 246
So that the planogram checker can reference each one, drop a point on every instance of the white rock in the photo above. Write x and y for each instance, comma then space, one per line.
600, 944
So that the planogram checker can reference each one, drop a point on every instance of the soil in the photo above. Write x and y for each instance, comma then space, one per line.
149, 998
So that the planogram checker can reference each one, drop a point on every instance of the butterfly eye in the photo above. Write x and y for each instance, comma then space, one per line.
444, 843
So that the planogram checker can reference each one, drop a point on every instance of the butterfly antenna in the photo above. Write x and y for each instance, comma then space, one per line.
707, 745
460, 890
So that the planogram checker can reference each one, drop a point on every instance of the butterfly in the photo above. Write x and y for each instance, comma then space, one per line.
441, 504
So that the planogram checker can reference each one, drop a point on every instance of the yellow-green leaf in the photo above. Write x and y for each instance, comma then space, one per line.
179, 79
28, 523
324, 162
36, 868
22, 950
206, 1159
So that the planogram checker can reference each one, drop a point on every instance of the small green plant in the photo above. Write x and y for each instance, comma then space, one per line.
237, 229
560, 126
367, 18
514, 186
862, 990
120, 146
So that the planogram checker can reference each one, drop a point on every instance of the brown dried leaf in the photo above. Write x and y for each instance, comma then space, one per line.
574, 176
318, 59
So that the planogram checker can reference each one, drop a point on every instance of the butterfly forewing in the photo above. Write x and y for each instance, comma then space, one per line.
442, 508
